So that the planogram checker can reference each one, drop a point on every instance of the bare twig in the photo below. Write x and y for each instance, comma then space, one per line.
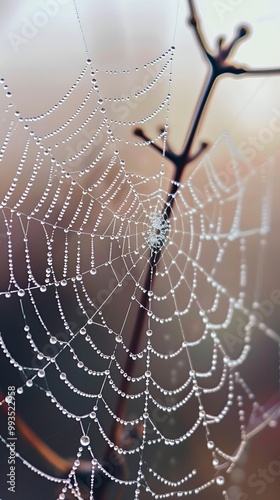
220, 64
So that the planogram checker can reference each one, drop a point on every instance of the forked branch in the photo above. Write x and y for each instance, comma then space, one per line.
220, 63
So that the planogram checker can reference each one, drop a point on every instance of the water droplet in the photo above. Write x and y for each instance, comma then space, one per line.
93, 271
41, 373
220, 480
102, 110
21, 293
63, 282
210, 445
62, 376
29, 383
43, 288
85, 440
149, 333
83, 330
53, 340
118, 338
20, 390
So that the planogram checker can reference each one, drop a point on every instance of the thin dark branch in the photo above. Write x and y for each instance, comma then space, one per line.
194, 22
228, 50
167, 145
219, 65
259, 72
140, 133
203, 146
184, 159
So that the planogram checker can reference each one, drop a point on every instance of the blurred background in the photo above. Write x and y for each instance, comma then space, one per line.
41, 56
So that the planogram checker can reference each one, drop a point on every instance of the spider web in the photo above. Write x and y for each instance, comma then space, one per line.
81, 230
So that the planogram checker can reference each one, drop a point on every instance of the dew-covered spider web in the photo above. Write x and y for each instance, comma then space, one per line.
86, 242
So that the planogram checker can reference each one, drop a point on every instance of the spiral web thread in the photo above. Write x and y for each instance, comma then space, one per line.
78, 233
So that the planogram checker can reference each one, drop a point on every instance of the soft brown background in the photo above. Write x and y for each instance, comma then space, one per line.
127, 34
